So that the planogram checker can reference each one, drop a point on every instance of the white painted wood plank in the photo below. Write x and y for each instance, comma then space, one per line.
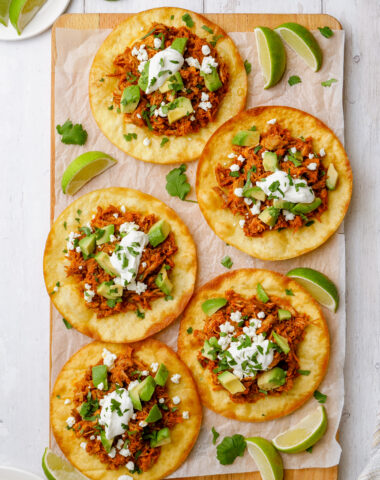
267, 6
125, 6
76, 6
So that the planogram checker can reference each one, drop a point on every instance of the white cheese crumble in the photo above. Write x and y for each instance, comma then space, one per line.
161, 400
193, 62
185, 415
120, 443
226, 327
289, 216
205, 96
116, 215
312, 166
232, 155
122, 209
235, 167
92, 437
145, 373
322, 152
205, 106
112, 238
131, 466
70, 421
83, 445
112, 452
88, 295
272, 121
192, 118
241, 158
175, 378
206, 50
241, 223
311, 156
295, 190
236, 316
159, 112
70, 241
115, 419
208, 63
125, 452
100, 386
154, 367
248, 201
293, 149
157, 42
143, 424
176, 400
261, 315
133, 384
255, 210
78, 249
108, 358
67, 401
238, 192
146, 141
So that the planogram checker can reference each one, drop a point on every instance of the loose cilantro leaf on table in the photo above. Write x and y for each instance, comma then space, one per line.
188, 20
328, 83
177, 184
67, 324
310, 449
215, 435
227, 262
326, 31
230, 448
320, 397
247, 66
294, 79
72, 134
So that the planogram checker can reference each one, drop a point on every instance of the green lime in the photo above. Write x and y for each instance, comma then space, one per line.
303, 42
318, 285
272, 56
305, 434
21, 12
83, 169
4, 11
266, 457
56, 468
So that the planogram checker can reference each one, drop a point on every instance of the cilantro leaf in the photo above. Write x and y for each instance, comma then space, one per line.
189, 330
247, 66
188, 20
304, 372
328, 83
67, 324
230, 448
320, 397
177, 184
72, 134
289, 292
215, 435
164, 141
326, 31
294, 79
310, 449
227, 262
208, 29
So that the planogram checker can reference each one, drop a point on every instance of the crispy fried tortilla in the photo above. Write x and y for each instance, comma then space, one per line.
274, 244
183, 435
179, 148
68, 297
312, 352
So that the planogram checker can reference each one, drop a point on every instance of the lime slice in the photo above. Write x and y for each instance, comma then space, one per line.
21, 12
4, 11
266, 457
272, 56
83, 169
302, 41
318, 285
56, 468
305, 434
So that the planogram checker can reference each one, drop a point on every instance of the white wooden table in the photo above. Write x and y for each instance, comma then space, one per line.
24, 224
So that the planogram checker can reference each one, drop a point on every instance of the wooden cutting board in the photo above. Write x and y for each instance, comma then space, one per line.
231, 22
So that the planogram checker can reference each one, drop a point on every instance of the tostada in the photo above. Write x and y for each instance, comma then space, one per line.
119, 265
257, 344
129, 410
274, 182
163, 81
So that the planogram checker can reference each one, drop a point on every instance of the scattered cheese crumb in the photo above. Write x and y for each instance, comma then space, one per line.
272, 122
145, 373
146, 141
112, 452
238, 192
130, 466
235, 167
175, 378
293, 149
312, 166
122, 209
232, 155
157, 42
185, 415
311, 155
322, 152
67, 401
241, 223
83, 445
143, 423
241, 158
161, 400
70, 421
261, 315
206, 50
176, 400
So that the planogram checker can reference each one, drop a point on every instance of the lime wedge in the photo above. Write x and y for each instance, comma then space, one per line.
266, 457
4, 11
302, 41
272, 56
56, 468
21, 12
318, 285
83, 169
305, 434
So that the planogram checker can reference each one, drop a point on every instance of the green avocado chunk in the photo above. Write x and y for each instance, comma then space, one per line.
179, 108
271, 379
212, 80
146, 388
110, 290
130, 99
144, 77
105, 236
163, 283
161, 375
246, 138
154, 414
208, 350
104, 261
281, 342
261, 293
212, 305
174, 82
179, 44
283, 314
283, 204
87, 244
256, 193
107, 444
332, 177
270, 161
158, 232
231, 382
269, 216
306, 207
134, 396
99, 375
162, 438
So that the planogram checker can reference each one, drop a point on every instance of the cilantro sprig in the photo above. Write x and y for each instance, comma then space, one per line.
326, 31
294, 79
72, 134
177, 184
329, 82
320, 397
230, 448
247, 66
215, 435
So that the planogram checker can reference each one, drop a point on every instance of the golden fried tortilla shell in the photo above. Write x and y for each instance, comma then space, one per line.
178, 149
313, 352
273, 245
122, 327
183, 435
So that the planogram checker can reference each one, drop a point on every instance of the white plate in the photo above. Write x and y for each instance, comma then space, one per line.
43, 20
9, 473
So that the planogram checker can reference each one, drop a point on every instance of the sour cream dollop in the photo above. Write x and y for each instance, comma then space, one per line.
115, 414
161, 66
295, 190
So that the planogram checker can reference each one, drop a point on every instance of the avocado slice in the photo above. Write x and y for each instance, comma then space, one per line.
158, 232
99, 375
104, 261
256, 193
208, 350
246, 138
271, 379
87, 244
231, 382
107, 444
145, 389
332, 177
281, 342
261, 294
283, 204
270, 161
161, 375
212, 305
179, 108
110, 290
163, 283
162, 438
174, 82
144, 77
134, 396
107, 232
179, 44
212, 80
130, 99
306, 207
283, 314
269, 216
154, 414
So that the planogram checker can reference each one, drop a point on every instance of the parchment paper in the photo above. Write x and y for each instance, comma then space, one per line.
75, 51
